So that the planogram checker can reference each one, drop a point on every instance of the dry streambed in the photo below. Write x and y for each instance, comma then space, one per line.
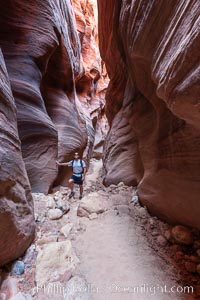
105, 246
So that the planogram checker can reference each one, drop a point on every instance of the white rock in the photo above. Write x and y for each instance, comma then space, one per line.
93, 216
142, 212
55, 214
54, 261
123, 209
76, 289
121, 184
22, 296
92, 203
135, 199
65, 230
50, 202
3, 296
47, 240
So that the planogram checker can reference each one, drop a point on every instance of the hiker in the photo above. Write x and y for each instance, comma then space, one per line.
78, 176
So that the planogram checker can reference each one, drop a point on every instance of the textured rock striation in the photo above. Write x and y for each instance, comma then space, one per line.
151, 51
92, 83
16, 207
52, 85
50, 64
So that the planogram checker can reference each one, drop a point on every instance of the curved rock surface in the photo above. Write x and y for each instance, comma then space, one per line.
151, 51
49, 62
16, 207
58, 87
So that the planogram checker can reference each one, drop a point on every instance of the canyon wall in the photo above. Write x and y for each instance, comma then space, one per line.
52, 85
54, 67
151, 51
16, 207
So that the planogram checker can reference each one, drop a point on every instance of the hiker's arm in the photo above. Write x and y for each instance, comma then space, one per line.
65, 164
84, 172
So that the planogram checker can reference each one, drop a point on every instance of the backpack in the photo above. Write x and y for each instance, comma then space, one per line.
80, 162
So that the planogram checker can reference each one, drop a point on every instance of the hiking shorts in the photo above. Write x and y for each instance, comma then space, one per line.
77, 179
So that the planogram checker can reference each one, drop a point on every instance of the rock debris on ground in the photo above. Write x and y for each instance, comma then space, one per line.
105, 246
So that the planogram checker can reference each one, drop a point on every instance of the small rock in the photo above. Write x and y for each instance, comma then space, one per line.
50, 203
168, 235
194, 259
76, 288
123, 209
55, 214
152, 222
182, 235
113, 186
10, 284
178, 256
142, 212
174, 248
197, 244
3, 296
198, 269
65, 230
120, 184
161, 241
22, 296
135, 200
93, 216
18, 268
190, 267
155, 233
47, 240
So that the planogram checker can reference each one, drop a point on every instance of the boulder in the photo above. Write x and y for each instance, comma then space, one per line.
92, 203
77, 289
55, 260
55, 214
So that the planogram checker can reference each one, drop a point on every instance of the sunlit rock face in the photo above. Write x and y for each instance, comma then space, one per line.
52, 68
92, 82
16, 207
151, 51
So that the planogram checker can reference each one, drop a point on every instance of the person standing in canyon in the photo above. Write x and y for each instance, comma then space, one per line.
79, 172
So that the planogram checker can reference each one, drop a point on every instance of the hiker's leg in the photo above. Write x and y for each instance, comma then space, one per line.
81, 190
71, 184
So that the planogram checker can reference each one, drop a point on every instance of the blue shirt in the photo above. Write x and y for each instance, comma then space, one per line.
77, 169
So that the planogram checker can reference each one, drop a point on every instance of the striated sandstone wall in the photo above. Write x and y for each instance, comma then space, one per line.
151, 51
54, 72
52, 99
16, 207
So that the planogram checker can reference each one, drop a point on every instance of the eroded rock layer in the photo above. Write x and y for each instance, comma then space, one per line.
151, 51
50, 64
52, 100
16, 207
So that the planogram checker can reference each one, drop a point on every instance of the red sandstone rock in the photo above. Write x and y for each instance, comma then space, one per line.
49, 63
16, 207
151, 51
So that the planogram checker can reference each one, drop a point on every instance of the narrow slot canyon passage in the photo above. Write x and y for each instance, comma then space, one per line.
99, 152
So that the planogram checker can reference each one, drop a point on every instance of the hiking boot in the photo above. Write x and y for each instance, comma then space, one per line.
71, 194
80, 197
